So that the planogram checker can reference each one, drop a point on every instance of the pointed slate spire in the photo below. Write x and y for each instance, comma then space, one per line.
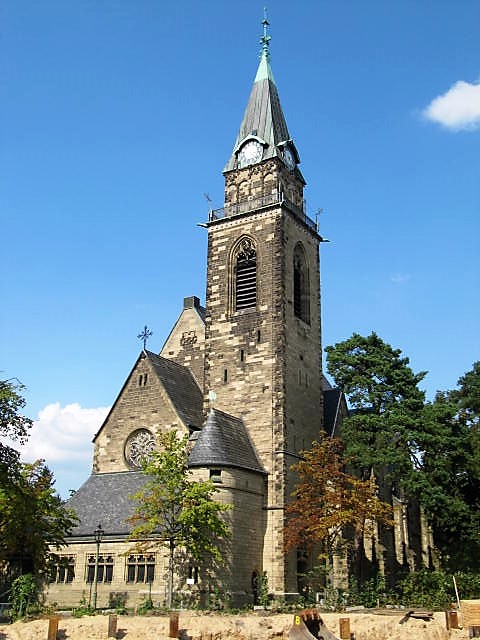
263, 119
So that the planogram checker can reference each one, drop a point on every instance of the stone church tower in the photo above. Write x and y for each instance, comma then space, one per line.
262, 325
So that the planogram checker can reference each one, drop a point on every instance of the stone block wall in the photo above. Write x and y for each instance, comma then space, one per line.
186, 342
303, 353
244, 491
132, 593
254, 358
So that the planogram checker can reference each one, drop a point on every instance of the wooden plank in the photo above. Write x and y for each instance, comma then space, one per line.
422, 615
52, 628
451, 619
345, 628
414, 613
470, 612
112, 625
173, 632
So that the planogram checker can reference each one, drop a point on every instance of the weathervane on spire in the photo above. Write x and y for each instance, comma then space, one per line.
265, 39
145, 335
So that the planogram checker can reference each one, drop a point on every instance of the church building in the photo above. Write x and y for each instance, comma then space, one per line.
242, 376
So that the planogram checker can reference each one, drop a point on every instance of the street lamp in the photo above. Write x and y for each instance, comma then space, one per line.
98, 535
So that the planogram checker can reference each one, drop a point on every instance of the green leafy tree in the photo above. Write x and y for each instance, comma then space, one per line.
382, 432
33, 518
429, 451
467, 396
327, 503
176, 512
13, 425
447, 478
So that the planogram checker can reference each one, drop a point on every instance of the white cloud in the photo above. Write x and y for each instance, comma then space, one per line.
63, 433
458, 108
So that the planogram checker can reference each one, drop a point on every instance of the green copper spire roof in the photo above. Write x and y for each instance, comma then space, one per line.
263, 119
264, 70
265, 39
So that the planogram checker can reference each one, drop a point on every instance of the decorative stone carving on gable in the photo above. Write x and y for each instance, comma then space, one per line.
188, 337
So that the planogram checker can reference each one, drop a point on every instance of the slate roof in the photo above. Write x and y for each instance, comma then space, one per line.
104, 499
224, 442
331, 406
201, 312
181, 387
325, 384
263, 118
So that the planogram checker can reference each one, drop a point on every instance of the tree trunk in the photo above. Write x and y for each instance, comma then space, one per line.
358, 552
170, 575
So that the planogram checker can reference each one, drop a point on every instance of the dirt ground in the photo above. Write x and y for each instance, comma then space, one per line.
254, 626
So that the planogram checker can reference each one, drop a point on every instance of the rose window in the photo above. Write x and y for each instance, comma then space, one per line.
139, 448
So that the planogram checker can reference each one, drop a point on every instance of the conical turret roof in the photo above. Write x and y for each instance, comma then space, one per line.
224, 442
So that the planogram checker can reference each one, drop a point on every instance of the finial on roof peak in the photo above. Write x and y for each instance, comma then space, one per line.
265, 39
145, 335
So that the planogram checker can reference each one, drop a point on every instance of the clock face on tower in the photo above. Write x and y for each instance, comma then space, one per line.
289, 159
250, 153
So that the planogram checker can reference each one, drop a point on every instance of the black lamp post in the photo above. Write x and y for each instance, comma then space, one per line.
98, 535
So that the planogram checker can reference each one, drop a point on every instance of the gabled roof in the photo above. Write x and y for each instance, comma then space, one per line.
105, 499
263, 119
224, 442
181, 387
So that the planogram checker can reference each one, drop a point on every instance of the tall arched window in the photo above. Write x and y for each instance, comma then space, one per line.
301, 285
245, 275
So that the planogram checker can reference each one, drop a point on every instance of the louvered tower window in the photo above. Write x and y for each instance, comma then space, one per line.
246, 276
301, 285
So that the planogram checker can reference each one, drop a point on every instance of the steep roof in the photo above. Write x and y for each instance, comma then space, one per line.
181, 387
325, 384
179, 384
224, 442
332, 399
104, 499
263, 119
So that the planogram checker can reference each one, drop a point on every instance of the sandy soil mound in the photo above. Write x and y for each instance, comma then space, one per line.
201, 626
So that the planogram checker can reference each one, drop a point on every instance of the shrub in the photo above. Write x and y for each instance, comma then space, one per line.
25, 596
84, 609
370, 593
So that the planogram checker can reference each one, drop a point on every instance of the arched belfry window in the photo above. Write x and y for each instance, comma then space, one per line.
301, 285
245, 275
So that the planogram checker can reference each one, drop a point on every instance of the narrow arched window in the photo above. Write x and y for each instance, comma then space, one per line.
245, 276
301, 285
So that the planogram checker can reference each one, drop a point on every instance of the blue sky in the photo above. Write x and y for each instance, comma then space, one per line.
117, 116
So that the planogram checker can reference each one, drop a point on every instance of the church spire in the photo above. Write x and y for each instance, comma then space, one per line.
263, 121
265, 39
264, 69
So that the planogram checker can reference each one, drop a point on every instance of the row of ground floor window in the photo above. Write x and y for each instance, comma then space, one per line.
136, 568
